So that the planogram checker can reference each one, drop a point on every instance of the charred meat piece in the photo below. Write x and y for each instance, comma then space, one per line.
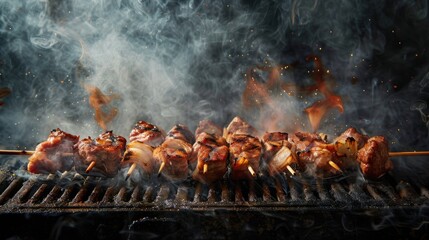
103, 154
245, 154
315, 155
173, 155
182, 132
304, 140
278, 152
374, 158
273, 142
145, 137
319, 160
239, 126
207, 134
54, 154
211, 154
349, 142
147, 133
207, 126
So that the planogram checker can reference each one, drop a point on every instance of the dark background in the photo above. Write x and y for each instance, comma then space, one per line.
182, 61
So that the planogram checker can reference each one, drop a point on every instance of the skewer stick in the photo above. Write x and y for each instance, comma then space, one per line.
90, 167
251, 170
160, 168
205, 168
405, 154
290, 169
334, 165
16, 152
28, 153
130, 171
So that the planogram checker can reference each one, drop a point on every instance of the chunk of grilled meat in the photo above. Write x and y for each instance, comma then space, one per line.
174, 154
349, 142
239, 126
374, 158
317, 160
54, 154
182, 132
245, 151
210, 150
145, 137
315, 155
278, 152
147, 133
106, 152
273, 142
207, 134
304, 140
207, 126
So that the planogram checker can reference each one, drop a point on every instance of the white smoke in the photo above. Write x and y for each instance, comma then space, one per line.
182, 61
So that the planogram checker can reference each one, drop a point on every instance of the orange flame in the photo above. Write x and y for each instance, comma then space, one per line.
258, 94
98, 100
319, 109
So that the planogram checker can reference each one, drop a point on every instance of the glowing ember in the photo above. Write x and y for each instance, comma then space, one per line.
100, 101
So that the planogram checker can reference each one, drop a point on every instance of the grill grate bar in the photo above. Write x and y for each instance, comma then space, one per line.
198, 192
339, 193
94, 197
39, 194
293, 191
373, 192
108, 195
82, 193
10, 190
266, 194
182, 194
281, 190
147, 197
357, 193
163, 193
53, 195
281, 196
308, 192
406, 191
225, 193
23, 193
120, 197
323, 195
136, 195
388, 191
211, 197
239, 198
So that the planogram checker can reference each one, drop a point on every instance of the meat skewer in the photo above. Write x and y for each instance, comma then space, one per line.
102, 154
314, 153
174, 153
346, 150
279, 153
28, 153
50, 156
210, 153
245, 149
144, 138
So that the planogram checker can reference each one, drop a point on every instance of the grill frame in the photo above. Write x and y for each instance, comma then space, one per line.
70, 207
53, 193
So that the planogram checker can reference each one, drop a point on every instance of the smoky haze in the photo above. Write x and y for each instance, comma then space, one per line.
182, 61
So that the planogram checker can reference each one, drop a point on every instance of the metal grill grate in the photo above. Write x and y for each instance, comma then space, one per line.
54, 193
